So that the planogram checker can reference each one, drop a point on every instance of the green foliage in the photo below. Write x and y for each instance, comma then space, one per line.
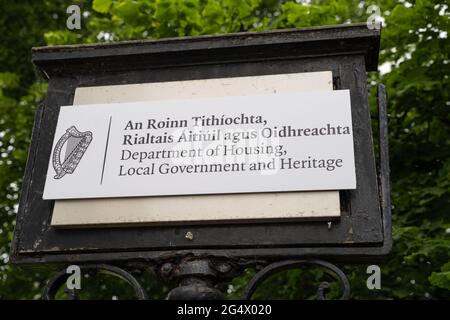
441, 279
102, 6
414, 44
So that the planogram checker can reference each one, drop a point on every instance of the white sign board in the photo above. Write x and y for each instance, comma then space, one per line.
265, 143
211, 208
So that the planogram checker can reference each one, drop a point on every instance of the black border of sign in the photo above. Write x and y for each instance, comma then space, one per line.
364, 230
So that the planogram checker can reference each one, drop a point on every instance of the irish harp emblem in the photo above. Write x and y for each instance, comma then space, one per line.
76, 143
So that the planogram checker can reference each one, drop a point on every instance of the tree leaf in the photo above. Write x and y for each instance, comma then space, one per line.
102, 6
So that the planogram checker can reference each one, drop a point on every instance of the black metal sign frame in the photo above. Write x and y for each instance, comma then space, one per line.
364, 229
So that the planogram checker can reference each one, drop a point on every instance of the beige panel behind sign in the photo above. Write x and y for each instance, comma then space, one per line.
203, 208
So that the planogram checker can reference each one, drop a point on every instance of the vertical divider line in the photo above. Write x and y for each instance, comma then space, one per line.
106, 149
